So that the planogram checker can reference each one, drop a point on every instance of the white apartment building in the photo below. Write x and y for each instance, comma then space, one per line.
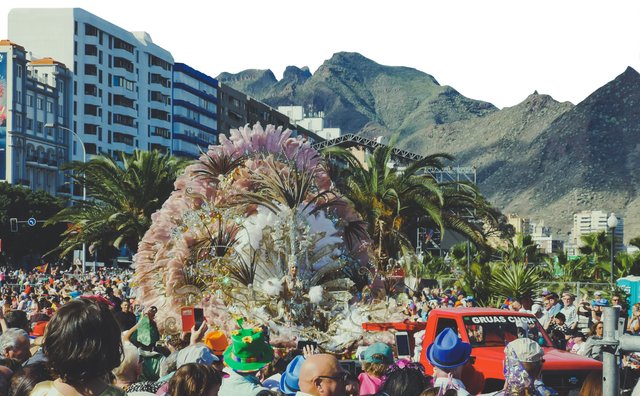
313, 122
590, 221
121, 79
33, 93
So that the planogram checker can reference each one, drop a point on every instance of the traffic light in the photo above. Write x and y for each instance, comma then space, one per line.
14, 224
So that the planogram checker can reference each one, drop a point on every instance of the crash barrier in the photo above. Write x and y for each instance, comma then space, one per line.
614, 343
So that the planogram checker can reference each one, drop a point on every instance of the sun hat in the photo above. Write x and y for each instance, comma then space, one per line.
289, 384
447, 351
603, 302
378, 353
38, 328
248, 351
198, 353
216, 341
526, 350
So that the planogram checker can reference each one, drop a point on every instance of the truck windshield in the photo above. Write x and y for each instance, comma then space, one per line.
497, 330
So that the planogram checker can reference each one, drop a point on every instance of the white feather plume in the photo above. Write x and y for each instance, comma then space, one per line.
272, 287
315, 294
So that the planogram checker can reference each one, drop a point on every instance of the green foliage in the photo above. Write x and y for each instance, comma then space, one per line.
515, 280
395, 201
22, 203
121, 199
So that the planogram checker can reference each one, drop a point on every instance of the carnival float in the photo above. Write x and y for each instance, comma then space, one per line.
256, 229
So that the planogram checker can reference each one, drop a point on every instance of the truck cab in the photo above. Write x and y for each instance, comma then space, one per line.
489, 330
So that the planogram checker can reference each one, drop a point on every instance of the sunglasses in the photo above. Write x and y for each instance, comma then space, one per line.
340, 377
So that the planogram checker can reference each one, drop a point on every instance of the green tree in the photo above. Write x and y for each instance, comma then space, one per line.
121, 199
22, 203
392, 199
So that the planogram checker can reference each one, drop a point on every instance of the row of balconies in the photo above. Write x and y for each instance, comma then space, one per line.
42, 160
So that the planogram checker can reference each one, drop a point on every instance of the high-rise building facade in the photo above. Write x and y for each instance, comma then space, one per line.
591, 221
34, 93
122, 80
195, 111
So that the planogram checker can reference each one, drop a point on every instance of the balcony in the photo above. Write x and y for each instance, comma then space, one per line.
23, 182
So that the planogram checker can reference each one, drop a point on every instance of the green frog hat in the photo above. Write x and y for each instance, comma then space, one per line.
248, 350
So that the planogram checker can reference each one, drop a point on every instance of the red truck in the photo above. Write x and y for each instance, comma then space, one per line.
488, 330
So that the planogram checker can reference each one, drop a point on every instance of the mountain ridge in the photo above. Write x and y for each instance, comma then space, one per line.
541, 158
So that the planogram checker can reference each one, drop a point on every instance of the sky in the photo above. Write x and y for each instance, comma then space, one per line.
496, 51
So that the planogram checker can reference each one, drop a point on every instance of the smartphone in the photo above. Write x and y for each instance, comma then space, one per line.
191, 317
402, 345
303, 343
198, 315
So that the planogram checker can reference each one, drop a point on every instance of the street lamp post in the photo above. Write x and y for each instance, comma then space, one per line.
612, 223
84, 186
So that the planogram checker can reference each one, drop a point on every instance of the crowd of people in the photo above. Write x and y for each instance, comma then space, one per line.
69, 334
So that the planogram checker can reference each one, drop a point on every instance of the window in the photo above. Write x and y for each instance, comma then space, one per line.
90, 30
30, 100
90, 89
123, 82
123, 64
90, 129
39, 103
444, 323
39, 127
90, 49
90, 70
49, 107
18, 123
18, 97
90, 109
120, 44
19, 70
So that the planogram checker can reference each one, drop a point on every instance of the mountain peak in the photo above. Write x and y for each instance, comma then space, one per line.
293, 73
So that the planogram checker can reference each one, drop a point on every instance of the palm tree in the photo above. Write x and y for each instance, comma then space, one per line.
122, 199
391, 199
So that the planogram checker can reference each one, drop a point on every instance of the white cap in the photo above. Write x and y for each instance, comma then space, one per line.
598, 293
526, 350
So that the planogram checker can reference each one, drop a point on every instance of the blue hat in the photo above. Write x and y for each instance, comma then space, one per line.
289, 379
378, 352
447, 351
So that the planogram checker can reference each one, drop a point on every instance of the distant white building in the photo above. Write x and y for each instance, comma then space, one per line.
591, 221
313, 122
121, 79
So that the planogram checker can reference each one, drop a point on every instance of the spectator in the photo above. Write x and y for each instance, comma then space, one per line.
194, 379
584, 316
14, 344
125, 317
129, 369
633, 324
569, 310
551, 308
17, 319
578, 343
80, 361
591, 349
409, 380
322, 375
23, 382
377, 358
289, 384
522, 367
245, 356
448, 355
592, 385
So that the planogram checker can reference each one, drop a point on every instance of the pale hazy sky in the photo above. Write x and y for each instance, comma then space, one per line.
498, 51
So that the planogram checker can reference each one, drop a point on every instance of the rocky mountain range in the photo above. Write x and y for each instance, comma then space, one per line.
541, 158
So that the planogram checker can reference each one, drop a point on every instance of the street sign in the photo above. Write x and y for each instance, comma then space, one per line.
31, 221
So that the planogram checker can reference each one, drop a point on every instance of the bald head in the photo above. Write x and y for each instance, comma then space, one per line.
321, 375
